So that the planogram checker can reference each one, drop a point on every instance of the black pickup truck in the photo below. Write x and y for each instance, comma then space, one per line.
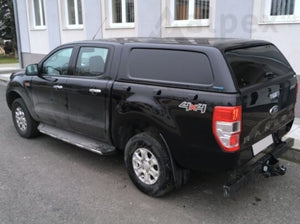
171, 104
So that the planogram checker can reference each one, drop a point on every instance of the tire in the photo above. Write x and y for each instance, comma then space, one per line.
144, 154
25, 125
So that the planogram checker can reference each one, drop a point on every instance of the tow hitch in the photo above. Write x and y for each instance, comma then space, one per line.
272, 168
267, 165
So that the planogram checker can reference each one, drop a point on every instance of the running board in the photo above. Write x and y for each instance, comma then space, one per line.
78, 140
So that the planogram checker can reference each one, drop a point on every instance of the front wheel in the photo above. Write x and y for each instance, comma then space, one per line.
148, 164
25, 125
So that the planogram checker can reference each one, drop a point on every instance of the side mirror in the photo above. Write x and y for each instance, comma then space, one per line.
32, 69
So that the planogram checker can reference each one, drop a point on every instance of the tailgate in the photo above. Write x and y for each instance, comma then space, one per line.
268, 91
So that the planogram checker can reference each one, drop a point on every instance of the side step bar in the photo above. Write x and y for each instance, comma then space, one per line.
78, 140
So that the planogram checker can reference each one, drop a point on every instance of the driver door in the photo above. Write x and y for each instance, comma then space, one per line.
48, 94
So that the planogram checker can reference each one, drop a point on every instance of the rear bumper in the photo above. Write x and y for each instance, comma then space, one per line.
265, 163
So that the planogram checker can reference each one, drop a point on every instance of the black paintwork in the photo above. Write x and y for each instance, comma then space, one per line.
127, 106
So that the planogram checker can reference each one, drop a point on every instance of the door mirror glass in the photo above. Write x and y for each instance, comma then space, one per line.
32, 69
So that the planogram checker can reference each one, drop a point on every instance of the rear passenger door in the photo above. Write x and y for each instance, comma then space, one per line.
87, 91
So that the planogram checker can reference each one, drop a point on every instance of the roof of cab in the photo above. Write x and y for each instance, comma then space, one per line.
220, 43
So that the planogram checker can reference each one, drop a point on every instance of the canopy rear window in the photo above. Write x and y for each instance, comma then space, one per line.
257, 64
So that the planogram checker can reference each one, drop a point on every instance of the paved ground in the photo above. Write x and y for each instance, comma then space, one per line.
44, 180
8, 68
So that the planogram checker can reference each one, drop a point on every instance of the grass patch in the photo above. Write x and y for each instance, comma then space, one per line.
8, 60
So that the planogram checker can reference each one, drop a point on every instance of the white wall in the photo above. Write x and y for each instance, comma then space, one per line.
38, 38
70, 34
286, 36
233, 18
39, 42
23, 26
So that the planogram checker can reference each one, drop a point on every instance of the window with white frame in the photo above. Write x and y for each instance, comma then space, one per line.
190, 12
121, 13
38, 15
73, 14
281, 11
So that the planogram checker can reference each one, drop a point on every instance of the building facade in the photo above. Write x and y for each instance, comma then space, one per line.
45, 24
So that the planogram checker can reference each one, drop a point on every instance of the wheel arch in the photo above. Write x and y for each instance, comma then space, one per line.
138, 124
11, 97
124, 129
16, 93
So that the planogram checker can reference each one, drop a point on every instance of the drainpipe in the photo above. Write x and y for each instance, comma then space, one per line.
18, 33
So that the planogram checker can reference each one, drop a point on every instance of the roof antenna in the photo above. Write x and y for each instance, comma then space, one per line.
100, 27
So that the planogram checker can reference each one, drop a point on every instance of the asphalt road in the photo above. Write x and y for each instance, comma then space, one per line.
44, 180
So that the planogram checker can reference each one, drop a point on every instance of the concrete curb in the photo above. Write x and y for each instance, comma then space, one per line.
3, 82
292, 155
4, 79
9, 71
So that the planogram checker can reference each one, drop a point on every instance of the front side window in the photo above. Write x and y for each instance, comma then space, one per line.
122, 12
38, 14
91, 61
281, 10
189, 12
73, 13
58, 63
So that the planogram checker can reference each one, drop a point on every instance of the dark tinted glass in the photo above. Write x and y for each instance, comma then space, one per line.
181, 9
282, 7
71, 12
129, 11
257, 64
201, 10
170, 65
36, 5
117, 11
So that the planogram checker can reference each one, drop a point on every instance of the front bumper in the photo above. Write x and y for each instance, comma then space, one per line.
265, 163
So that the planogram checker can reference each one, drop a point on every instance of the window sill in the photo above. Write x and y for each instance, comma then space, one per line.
189, 23
279, 20
272, 22
38, 28
66, 28
120, 26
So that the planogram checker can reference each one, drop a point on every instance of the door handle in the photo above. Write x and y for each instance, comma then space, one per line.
58, 87
95, 91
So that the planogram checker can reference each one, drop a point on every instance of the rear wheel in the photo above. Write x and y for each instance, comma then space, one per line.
25, 125
148, 164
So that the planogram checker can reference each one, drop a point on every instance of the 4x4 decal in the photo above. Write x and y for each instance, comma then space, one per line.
188, 106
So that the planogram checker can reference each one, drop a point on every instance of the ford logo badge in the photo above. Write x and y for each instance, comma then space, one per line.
274, 109
274, 95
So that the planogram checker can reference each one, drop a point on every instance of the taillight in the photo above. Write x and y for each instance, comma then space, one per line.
227, 125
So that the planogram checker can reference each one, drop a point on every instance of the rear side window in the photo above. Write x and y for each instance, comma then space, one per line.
257, 64
91, 61
172, 66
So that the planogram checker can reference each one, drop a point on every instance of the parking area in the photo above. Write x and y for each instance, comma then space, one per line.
44, 180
